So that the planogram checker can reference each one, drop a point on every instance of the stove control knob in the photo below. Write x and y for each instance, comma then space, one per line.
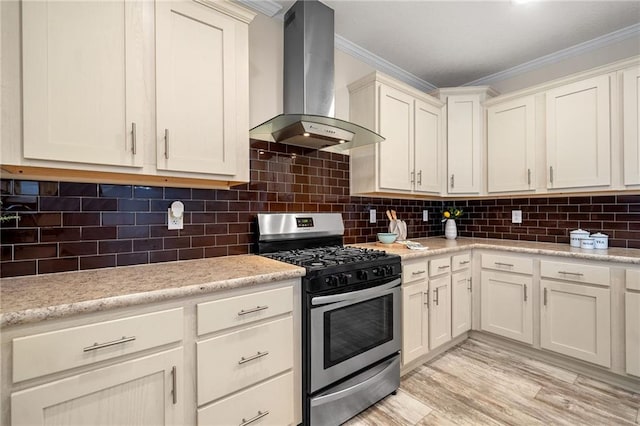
377, 271
332, 280
388, 270
344, 278
363, 275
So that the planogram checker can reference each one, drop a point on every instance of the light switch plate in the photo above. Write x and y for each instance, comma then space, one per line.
372, 216
516, 216
425, 215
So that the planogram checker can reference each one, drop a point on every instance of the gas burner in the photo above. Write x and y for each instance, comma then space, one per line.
322, 257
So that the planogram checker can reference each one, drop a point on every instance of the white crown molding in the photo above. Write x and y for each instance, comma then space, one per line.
266, 7
382, 65
587, 46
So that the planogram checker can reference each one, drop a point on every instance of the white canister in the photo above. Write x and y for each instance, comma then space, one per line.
587, 243
577, 236
600, 240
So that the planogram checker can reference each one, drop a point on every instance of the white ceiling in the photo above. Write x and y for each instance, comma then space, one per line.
451, 43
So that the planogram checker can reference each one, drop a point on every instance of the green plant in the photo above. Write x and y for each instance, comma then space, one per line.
451, 212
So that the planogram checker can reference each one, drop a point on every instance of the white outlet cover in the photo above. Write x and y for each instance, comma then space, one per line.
174, 222
425, 215
516, 216
372, 216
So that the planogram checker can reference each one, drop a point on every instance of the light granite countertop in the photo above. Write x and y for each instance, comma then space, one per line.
38, 298
440, 245
43, 297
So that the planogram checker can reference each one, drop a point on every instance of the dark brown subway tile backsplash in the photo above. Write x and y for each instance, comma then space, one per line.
79, 226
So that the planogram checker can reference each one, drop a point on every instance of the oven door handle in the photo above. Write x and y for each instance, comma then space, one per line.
354, 295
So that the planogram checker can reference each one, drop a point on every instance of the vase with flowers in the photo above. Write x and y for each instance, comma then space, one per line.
449, 215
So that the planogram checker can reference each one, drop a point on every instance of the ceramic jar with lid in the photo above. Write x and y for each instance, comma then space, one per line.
600, 240
577, 236
587, 243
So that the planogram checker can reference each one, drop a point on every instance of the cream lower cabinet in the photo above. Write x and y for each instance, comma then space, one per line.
415, 309
460, 294
506, 287
632, 321
439, 301
408, 160
144, 391
575, 317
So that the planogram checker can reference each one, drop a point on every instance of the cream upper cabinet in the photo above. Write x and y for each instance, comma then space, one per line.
631, 129
408, 161
579, 134
200, 73
464, 136
83, 82
511, 145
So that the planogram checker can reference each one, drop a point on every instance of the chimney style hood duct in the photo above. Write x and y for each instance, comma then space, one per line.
308, 87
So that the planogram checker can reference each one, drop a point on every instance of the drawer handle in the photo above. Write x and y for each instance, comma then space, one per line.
577, 274
252, 310
508, 265
252, 357
107, 344
418, 272
463, 262
443, 267
258, 416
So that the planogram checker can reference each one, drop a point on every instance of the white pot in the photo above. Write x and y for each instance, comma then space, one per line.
450, 230
601, 241
577, 236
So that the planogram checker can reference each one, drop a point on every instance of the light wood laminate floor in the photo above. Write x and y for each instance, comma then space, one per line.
478, 384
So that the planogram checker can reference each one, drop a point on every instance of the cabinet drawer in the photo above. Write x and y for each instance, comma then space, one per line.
236, 360
439, 266
274, 397
239, 310
578, 272
414, 271
633, 279
47, 353
501, 262
460, 261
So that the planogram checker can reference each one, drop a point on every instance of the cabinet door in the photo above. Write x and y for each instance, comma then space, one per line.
632, 325
505, 307
575, 321
460, 302
510, 145
82, 81
578, 134
195, 89
439, 311
415, 321
396, 125
428, 137
464, 138
144, 391
631, 119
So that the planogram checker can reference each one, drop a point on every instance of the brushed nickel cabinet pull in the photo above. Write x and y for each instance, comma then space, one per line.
551, 173
420, 177
469, 285
253, 357
174, 384
413, 176
166, 144
252, 310
258, 416
463, 262
133, 138
452, 181
525, 292
436, 300
426, 299
111, 343
509, 265
418, 272
443, 267
529, 176
545, 296
577, 274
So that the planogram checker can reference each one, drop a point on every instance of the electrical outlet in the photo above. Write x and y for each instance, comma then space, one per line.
372, 216
425, 215
175, 215
516, 216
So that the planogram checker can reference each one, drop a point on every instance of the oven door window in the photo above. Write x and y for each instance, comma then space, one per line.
354, 329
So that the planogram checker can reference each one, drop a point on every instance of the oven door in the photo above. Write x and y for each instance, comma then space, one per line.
350, 331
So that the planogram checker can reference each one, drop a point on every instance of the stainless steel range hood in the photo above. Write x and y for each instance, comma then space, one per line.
308, 87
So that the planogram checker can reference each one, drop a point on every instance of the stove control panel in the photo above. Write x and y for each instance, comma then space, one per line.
357, 276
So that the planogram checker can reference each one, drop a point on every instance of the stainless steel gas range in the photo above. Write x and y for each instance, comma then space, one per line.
350, 318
